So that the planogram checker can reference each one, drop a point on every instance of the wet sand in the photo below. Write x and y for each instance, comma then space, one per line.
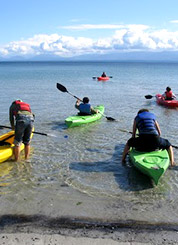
29, 230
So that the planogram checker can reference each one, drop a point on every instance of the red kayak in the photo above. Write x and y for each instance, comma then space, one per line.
103, 78
169, 103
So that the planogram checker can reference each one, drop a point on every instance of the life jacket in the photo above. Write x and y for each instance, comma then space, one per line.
169, 95
21, 106
145, 123
85, 108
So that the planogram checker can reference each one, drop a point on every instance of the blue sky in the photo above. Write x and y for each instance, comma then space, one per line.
77, 27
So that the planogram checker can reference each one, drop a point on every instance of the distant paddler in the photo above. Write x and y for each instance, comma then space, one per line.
104, 74
168, 94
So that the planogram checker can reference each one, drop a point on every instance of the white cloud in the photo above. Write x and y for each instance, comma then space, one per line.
174, 21
103, 26
125, 38
91, 27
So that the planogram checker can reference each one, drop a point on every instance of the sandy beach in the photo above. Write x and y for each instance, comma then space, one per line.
104, 238
36, 239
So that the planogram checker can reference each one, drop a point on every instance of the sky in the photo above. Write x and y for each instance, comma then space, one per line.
69, 28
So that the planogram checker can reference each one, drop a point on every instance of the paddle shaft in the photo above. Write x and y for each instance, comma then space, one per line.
2, 126
74, 96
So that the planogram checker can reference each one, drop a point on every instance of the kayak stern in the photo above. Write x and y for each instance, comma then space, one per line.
153, 164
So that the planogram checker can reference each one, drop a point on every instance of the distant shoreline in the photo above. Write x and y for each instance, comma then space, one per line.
91, 61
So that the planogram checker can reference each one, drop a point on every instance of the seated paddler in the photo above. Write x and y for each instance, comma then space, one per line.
84, 107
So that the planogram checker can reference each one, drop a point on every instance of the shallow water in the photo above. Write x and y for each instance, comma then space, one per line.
82, 166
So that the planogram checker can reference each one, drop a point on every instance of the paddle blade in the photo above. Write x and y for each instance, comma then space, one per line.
148, 96
61, 87
110, 119
94, 77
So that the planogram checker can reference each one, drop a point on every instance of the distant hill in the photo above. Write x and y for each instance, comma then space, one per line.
124, 56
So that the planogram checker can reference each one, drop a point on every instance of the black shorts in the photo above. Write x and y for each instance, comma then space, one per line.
83, 114
148, 143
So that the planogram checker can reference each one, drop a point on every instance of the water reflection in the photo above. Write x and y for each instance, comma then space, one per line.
126, 176
5, 174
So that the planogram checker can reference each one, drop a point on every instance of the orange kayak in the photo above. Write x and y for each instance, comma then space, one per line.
169, 103
103, 78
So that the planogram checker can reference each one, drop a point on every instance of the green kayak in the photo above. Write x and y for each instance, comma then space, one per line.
153, 164
74, 121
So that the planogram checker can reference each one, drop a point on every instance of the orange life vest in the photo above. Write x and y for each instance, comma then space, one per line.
169, 95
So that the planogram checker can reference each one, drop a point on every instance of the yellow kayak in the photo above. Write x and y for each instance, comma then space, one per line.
6, 146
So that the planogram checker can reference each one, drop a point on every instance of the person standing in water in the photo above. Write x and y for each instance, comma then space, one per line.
21, 120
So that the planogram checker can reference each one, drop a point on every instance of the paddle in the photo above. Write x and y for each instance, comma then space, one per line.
106, 76
2, 126
63, 89
149, 96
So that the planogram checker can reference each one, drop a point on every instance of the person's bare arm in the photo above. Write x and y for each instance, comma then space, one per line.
77, 104
158, 128
93, 111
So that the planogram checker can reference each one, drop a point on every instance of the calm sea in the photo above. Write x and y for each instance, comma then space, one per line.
78, 172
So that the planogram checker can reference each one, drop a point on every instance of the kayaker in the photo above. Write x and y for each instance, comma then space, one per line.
149, 136
168, 94
21, 120
84, 107
104, 74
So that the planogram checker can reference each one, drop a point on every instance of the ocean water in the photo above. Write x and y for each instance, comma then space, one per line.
78, 171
